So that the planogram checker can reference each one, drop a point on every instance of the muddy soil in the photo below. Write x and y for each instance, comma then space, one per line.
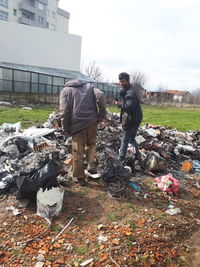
129, 229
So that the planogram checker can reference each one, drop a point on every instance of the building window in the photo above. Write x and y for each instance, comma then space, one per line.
47, 12
53, 14
22, 76
58, 81
53, 27
5, 74
15, 12
40, 20
4, 3
22, 81
3, 15
47, 24
26, 15
40, 6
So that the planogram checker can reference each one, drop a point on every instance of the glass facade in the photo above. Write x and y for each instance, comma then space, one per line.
6, 79
22, 76
13, 80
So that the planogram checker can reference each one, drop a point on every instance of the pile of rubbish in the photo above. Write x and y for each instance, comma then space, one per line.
36, 157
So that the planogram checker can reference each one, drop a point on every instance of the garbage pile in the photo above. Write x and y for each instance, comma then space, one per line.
162, 148
34, 158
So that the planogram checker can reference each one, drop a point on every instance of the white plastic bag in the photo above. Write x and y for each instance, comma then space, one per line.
49, 202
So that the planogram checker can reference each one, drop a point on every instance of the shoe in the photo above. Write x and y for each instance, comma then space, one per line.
82, 181
91, 169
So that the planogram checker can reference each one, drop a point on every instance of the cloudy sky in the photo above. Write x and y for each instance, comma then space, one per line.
160, 38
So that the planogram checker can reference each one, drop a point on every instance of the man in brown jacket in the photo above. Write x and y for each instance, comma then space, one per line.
82, 106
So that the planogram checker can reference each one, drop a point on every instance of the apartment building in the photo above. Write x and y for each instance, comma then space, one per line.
38, 13
37, 53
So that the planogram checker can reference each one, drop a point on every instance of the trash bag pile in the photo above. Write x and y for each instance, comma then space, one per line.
30, 160
34, 158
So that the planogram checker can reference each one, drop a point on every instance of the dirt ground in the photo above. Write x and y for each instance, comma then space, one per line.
130, 229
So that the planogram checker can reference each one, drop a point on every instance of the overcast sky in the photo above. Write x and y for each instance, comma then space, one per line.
160, 38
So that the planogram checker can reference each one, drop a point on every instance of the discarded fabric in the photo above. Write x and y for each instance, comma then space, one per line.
167, 183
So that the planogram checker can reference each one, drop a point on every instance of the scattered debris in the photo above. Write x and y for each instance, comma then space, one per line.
5, 103
53, 239
14, 210
27, 108
196, 166
85, 263
102, 238
172, 210
135, 187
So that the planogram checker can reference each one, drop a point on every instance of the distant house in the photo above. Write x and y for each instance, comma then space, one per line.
179, 96
168, 96
159, 96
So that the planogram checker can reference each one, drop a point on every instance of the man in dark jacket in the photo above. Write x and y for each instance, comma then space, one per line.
130, 116
82, 106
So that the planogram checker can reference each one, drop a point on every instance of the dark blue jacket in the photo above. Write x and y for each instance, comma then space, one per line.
131, 112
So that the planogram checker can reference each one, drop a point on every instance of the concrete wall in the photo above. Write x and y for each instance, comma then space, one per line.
29, 98
62, 25
29, 45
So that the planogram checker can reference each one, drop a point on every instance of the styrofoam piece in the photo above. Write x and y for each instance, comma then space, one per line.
37, 132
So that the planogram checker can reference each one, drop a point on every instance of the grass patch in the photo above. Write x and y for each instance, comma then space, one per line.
130, 205
83, 193
82, 249
55, 228
132, 225
113, 217
102, 196
160, 215
182, 119
80, 217
129, 241
28, 118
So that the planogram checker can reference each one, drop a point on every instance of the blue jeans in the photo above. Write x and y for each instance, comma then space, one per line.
128, 137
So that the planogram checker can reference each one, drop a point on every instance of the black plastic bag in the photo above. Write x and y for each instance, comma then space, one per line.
44, 177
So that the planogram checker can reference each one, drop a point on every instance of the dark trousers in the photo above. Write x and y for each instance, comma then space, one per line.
128, 137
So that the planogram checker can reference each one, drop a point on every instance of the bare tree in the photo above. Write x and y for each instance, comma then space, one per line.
93, 71
195, 96
161, 96
161, 88
138, 78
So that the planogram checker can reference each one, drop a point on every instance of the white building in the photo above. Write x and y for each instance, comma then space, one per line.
35, 33
39, 13
37, 53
